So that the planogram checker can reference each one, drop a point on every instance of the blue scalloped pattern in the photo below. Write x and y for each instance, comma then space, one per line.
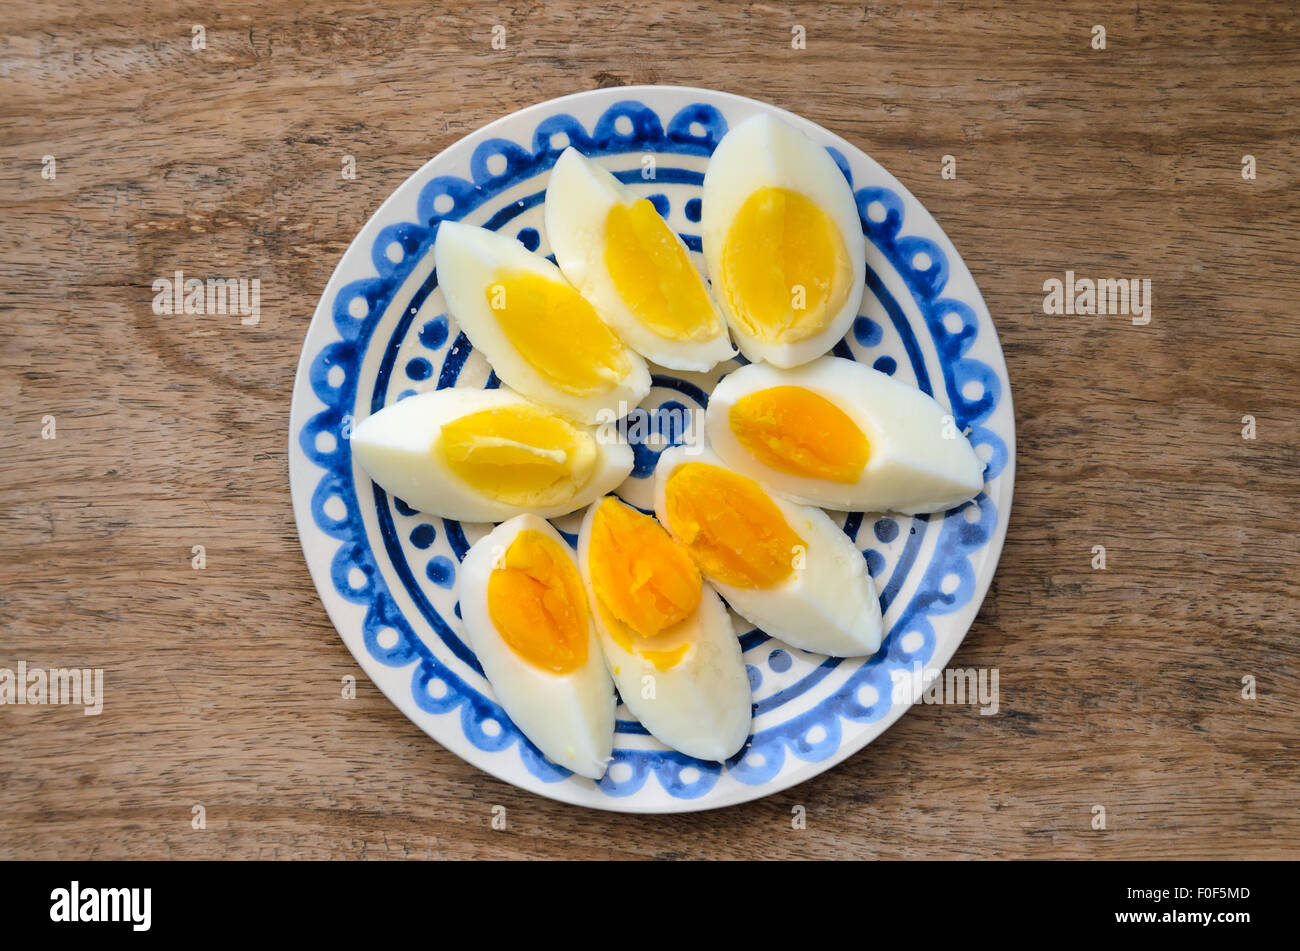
498, 164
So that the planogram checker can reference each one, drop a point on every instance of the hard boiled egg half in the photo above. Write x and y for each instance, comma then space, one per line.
787, 568
525, 611
486, 455
837, 433
623, 258
541, 336
782, 241
666, 634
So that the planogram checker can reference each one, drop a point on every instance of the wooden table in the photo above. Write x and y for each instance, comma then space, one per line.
1120, 687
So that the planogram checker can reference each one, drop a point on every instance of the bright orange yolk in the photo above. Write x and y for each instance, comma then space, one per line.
797, 431
557, 332
640, 575
654, 275
785, 268
537, 605
731, 527
520, 455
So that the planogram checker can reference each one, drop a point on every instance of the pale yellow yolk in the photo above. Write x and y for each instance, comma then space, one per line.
557, 332
731, 527
785, 268
520, 455
797, 431
537, 605
645, 583
654, 276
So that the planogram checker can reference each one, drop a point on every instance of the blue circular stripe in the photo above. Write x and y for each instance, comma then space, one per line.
695, 130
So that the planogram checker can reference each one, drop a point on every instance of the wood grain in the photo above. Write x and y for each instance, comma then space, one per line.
1119, 687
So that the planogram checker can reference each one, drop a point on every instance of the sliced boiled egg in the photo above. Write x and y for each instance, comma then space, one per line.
837, 433
667, 637
525, 611
540, 335
486, 455
786, 568
635, 270
782, 241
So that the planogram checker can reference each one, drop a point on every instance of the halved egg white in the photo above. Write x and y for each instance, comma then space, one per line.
783, 242
635, 270
837, 433
486, 455
516, 585
682, 675
542, 338
786, 568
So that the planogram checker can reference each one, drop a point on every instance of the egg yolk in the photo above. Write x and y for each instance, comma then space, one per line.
643, 579
654, 275
520, 455
557, 332
794, 430
785, 268
537, 605
731, 527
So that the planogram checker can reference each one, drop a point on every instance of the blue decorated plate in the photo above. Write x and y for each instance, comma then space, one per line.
387, 573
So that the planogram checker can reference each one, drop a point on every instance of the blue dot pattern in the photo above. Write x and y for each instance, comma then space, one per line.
867, 332
441, 571
422, 536
529, 238
630, 127
434, 333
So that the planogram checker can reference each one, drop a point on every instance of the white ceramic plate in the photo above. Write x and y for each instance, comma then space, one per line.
386, 574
